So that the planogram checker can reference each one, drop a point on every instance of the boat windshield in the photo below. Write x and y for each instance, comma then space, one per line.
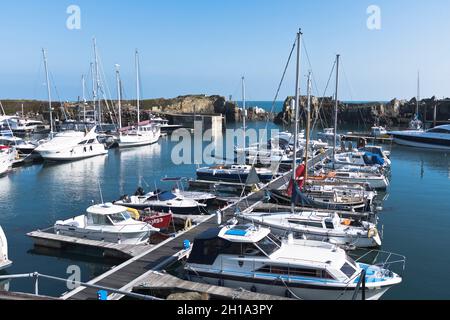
119, 217
268, 245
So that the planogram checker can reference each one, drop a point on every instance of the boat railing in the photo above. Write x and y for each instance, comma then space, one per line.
101, 289
388, 259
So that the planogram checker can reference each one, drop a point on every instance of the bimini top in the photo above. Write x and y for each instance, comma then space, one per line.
243, 233
105, 209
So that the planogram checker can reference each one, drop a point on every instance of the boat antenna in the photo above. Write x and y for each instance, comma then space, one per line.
336, 104
297, 107
101, 194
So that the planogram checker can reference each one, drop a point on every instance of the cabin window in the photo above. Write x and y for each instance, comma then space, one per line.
306, 223
117, 217
98, 219
268, 245
329, 225
304, 272
348, 270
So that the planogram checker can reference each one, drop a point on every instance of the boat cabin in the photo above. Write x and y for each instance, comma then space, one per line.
107, 214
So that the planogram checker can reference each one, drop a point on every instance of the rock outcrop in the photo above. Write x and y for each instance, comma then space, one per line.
393, 113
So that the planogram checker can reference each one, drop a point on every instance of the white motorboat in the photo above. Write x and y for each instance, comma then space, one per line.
163, 202
253, 259
4, 259
233, 173
23, 147
378, 131
359, 159
437, 138
7, 156
72, 146
106, 222
328, 136
320, 226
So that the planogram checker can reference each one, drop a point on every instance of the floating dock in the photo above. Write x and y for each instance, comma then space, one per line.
163, 282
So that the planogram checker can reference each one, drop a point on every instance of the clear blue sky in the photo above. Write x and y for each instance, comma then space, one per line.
205, 46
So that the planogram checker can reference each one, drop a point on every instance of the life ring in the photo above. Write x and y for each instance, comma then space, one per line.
134, 213
346, 222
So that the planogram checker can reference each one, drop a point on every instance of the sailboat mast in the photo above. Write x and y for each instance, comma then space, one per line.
418, 93
119, 95
83, 85
308, 117
138, 92
244, 112
297, 111
97, 84
44, 54
336, 104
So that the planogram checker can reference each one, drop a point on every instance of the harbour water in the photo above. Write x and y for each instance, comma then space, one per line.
415, 217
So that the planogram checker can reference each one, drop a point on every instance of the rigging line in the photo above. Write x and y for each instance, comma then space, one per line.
326, 88
310, 67
108, 92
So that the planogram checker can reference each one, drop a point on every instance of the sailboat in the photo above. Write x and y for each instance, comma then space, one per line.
141, 134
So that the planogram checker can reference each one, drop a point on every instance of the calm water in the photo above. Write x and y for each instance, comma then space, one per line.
416, 214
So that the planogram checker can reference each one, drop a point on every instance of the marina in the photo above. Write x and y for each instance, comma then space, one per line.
159, 176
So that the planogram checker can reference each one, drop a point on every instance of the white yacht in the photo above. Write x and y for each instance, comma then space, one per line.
320, 226
7, 157
163, 202
106, 222
251, 258
4, 260
71, 146
437, 138
360, 159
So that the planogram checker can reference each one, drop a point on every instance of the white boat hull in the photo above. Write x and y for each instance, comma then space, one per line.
104, 235
78, 152
421, 145
137, 141
289, 290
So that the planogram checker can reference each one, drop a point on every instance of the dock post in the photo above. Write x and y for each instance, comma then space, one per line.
363, 275
36, 283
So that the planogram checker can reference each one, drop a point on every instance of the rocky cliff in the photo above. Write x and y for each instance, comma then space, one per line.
393, 113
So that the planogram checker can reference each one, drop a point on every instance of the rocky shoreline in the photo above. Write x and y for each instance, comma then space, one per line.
395, 113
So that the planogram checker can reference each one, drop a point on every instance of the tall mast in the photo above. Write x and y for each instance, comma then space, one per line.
83, 85
308, 116
97, 84
336, 104
119, 94
418, 93
244, 111
138, 93
297, 111
44, 54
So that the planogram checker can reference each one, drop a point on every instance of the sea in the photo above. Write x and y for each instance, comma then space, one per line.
415, 218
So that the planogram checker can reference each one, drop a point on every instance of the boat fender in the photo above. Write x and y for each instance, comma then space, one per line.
186, 244
346, 222
134, 213
188, 224
372, 233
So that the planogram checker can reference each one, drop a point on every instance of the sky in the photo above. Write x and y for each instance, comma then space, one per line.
206, 46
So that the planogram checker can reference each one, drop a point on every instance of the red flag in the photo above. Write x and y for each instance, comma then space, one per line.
298, 173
